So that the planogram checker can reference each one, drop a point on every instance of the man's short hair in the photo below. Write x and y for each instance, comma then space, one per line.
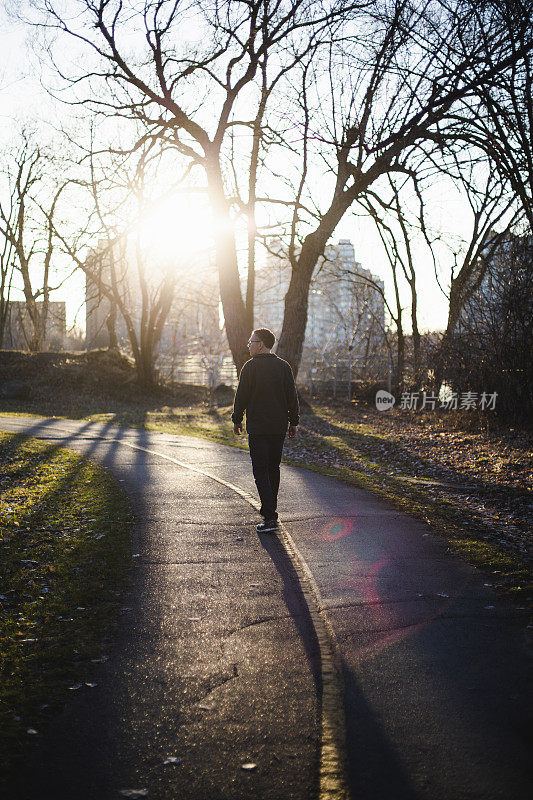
266, 336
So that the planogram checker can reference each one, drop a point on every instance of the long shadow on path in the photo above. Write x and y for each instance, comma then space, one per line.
436, 667
145, 705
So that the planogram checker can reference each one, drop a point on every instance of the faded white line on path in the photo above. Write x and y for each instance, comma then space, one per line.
332, 780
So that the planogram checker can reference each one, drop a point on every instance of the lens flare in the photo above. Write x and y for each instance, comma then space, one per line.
338, 529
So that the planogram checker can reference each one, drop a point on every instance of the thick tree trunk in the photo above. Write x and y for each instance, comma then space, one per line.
145, 369
239, 320
36, 338
400, 364
292, 335
454, 312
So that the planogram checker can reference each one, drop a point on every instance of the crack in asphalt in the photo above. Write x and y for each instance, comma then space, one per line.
222, 682
205, 561
260, 622
340, 515
436, 599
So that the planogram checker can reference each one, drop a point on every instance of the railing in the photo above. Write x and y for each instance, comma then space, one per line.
342, 377
198, 370
335, 377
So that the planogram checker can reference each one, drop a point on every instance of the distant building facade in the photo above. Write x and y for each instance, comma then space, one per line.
508, 262
18, 329
346, 302
98, 307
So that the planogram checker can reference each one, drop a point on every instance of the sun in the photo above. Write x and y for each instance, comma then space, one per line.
177, 229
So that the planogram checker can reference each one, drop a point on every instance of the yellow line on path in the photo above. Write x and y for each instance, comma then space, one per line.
332, 780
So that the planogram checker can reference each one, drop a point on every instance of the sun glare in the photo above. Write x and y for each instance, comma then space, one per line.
177, 230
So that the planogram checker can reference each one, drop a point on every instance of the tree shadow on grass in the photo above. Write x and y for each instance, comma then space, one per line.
95, 572
383, 451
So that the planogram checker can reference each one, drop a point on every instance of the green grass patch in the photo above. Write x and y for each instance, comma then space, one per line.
65, 552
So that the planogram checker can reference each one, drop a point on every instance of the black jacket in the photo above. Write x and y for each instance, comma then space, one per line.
267, 393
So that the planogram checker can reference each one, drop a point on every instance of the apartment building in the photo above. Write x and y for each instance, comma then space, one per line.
346, 307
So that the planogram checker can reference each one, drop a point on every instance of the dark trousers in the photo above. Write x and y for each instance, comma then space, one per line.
265, 452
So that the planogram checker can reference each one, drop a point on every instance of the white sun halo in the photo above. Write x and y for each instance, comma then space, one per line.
176, 229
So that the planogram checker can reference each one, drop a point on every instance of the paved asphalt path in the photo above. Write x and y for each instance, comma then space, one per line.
217, 664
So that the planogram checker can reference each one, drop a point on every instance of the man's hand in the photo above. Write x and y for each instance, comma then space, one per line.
237, 429
292, 431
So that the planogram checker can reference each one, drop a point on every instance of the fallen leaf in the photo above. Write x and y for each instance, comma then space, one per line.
249, 767
134, 793
172, 760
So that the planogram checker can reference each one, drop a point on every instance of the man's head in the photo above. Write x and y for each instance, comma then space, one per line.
261, 341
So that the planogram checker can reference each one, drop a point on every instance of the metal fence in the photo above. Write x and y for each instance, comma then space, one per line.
327, 376
199, 370
341, 377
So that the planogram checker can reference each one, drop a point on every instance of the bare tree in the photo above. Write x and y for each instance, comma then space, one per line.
197, 95
194, 334
385, 106
494, 215
396, 72
490, 350
379, 212
26, 226
499, 115
402, 221
7, 266
120, 271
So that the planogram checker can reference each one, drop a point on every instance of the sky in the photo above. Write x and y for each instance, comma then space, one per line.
22, 98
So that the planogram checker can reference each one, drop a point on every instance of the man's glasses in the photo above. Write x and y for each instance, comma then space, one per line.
251, 341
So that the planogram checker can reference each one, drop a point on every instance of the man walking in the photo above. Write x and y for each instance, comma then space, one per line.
267, 393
